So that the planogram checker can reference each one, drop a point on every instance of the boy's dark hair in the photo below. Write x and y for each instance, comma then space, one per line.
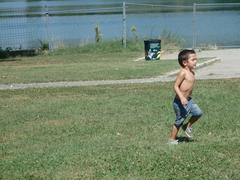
183, 55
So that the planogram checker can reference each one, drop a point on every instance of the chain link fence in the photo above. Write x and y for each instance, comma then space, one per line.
216, 25
68, 26
197, 25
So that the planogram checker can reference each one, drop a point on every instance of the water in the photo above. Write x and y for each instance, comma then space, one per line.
24, 3
220, 27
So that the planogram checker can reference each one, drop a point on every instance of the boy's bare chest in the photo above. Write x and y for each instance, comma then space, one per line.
189, 78
188, 82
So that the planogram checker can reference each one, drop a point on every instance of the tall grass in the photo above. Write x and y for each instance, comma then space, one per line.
101, 47
170, 41
117, 132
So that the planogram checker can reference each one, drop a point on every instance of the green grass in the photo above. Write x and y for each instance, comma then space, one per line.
70, 65
73, 67
117, 132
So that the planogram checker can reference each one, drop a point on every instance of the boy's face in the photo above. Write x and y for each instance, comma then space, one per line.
191, 62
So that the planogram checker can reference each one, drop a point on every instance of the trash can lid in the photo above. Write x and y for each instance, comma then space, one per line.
153, 40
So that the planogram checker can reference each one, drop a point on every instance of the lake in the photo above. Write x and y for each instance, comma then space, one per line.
24, 24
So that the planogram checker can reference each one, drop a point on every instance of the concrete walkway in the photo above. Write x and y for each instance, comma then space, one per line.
224, 64
228, 67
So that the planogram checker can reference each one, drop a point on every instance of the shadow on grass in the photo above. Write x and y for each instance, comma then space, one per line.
9, 60
183, 139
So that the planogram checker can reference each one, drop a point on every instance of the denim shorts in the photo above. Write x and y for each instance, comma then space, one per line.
182, 112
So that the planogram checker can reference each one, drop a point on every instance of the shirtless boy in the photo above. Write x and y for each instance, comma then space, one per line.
183, 104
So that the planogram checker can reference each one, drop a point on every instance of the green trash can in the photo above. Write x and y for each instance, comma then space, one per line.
152, 49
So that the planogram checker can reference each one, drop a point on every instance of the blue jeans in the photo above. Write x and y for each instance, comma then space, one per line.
182, 112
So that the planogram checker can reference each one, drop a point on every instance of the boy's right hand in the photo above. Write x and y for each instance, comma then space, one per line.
184, 101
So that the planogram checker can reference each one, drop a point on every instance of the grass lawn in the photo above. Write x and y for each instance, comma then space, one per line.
81, 66
117, 132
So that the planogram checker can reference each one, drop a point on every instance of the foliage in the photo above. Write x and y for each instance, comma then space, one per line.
98, 34
44, 45
134, 32
171, 41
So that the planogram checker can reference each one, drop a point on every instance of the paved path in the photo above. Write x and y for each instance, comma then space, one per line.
224, 64
228, 67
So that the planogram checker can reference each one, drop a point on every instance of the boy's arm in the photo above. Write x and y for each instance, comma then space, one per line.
179, 79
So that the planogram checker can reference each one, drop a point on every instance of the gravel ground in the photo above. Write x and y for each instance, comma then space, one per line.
223, 64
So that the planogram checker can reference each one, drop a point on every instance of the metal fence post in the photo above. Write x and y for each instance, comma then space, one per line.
47, 38
124, 38
46, 16
194, 27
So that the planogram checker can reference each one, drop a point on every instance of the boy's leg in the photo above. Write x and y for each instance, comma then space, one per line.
188, 126
196, 114
192, 120
174, 132
181, 114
